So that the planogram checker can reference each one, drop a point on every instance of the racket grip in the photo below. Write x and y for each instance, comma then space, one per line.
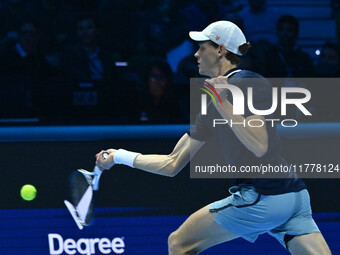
98, 173
96, 177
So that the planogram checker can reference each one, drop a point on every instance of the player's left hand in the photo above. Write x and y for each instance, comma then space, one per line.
108, 162
219, 80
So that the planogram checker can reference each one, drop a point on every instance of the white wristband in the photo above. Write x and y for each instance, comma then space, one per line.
125, 157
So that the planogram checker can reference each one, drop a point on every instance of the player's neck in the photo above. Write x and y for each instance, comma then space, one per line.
225, 67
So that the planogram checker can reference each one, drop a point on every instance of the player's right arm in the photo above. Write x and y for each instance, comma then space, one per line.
167, 165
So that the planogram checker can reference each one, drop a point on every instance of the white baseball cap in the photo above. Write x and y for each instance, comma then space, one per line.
221, 32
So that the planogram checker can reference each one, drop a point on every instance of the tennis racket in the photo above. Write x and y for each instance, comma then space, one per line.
82, 184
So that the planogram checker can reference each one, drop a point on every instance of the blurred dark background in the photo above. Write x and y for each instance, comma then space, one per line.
129, 61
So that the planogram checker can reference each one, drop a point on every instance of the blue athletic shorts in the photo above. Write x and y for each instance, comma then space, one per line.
248, 214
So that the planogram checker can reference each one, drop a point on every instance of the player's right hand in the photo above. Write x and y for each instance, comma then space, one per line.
108, 162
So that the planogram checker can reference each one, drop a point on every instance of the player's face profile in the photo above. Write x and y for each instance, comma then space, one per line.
207, 58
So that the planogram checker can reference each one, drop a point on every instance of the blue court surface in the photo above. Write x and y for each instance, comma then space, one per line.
53, 231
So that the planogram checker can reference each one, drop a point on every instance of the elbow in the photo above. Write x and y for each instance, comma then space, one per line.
174, 170
170, 173
174, 166
167, 173
173, 174
261, 150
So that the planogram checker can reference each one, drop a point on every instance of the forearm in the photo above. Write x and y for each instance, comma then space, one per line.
254, 138
157, 164
168, 165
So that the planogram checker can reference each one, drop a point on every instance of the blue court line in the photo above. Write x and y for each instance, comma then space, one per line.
89, 133
95, 133
311, 130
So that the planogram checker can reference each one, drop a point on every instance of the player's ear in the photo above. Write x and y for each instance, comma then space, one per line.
222, 50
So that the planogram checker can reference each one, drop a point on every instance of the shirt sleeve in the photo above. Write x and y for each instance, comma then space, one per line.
200, 130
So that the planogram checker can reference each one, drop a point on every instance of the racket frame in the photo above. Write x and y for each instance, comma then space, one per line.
93, 180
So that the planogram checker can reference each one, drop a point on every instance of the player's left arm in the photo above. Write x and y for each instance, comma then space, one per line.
254, 138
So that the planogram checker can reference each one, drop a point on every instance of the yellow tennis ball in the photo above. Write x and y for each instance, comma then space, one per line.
28, 192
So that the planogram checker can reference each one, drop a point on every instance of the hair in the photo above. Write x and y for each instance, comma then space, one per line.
289, 19
232, 57
33, 22
162, 65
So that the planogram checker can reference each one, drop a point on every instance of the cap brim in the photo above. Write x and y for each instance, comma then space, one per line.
198, 36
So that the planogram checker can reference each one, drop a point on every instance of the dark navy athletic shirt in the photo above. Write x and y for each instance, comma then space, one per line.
233, 150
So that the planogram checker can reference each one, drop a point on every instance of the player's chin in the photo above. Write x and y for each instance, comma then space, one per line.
200, 70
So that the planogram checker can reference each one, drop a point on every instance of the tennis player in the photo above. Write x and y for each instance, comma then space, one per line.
279, 207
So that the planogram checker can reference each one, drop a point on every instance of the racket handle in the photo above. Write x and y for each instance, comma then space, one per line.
96, 177
98, 173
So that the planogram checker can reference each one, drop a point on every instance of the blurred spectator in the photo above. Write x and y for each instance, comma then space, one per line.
335, 4
85, 60
255, 60
188, 67
325, 92
118, 20
159, 104
56, 19
160, 30
286, 59
24, 70
200, 13
259, 21
90, 71
194, 17
12, 14
329, 61
153, 32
